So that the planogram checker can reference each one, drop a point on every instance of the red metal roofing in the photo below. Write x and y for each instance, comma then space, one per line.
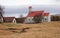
8, 19
46, 14
33, 13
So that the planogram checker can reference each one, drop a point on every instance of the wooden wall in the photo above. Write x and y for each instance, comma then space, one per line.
55, 18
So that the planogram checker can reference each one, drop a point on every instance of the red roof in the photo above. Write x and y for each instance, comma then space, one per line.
8, 19
33, 13
46, 14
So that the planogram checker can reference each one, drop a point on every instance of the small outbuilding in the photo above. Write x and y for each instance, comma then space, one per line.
9, 20
20, 20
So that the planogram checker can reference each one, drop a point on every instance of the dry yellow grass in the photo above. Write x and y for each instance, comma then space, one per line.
41, 30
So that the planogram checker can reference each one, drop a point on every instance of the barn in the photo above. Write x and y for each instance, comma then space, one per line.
9, 20
20, 20
37, 16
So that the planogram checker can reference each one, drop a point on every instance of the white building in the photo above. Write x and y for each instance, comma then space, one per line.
39, 15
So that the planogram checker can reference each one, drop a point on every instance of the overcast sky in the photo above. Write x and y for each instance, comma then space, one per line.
18, 7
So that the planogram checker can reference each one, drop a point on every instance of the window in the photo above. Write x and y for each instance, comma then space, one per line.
45, 18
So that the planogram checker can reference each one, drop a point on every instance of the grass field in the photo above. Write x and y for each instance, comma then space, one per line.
41, 30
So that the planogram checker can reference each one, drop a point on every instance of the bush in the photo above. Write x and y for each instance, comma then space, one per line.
38, 18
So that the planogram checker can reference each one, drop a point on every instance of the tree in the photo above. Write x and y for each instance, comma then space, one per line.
1, 13
38, 18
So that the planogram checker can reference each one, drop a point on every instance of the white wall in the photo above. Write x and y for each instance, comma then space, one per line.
1, 19
14, 20
49, 18
29, 20
45, 19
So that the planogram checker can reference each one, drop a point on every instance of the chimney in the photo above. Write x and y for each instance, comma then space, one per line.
30, 9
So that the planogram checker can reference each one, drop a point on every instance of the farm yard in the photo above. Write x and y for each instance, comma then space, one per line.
33, 19
40, 30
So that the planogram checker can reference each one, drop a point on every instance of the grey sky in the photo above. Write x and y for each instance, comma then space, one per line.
17, 7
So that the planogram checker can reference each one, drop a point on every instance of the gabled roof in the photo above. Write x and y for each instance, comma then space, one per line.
33, 13
8, 19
